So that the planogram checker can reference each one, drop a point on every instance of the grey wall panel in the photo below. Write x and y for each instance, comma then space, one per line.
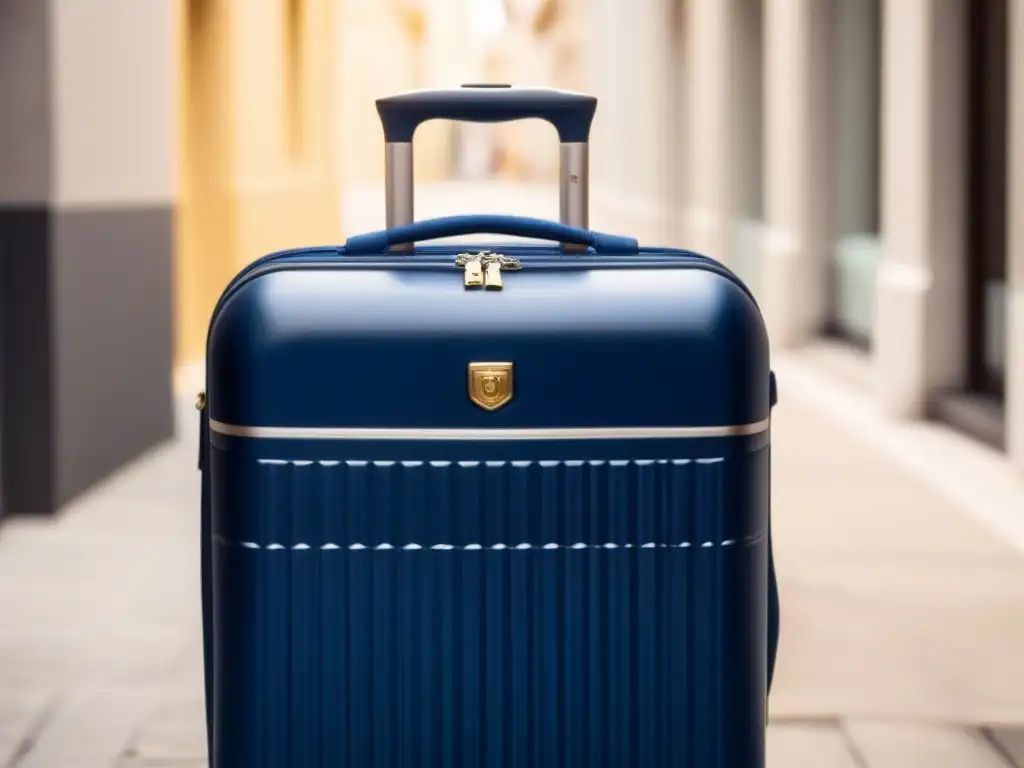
112, 289
25, 111
25, 335
856, 90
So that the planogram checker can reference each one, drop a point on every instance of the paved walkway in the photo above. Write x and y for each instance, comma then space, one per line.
903, 620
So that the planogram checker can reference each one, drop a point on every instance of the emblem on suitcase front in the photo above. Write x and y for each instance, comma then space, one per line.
490, 384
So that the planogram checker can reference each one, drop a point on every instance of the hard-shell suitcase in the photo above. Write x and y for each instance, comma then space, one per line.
502, 506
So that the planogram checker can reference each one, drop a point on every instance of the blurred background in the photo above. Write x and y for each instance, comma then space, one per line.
860, 163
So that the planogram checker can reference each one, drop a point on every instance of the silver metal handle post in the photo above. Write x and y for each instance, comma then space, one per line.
573, 188
398, 188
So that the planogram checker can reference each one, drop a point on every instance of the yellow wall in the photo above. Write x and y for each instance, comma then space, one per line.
257, 133
388, 47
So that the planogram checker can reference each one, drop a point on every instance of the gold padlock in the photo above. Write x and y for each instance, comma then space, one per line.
474, 274
492, 276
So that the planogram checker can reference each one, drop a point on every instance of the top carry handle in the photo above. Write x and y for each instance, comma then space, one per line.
516, 226
570, 113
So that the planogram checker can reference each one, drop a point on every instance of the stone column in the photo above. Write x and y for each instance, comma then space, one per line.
1015, 255
86, 233
599, 71
644, 139
793, 274
625, 143
636, 142
280, 141
259, 164
677, 106
709, 126
920, 305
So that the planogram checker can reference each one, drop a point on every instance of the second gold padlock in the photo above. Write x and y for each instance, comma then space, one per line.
492, 276
474, 275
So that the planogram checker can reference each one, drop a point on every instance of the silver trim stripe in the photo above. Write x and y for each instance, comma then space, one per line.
554, 433
274, 546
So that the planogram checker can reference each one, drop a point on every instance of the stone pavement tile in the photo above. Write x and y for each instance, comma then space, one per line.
175, 734
894, 603
33, 659
82, 582
182, 677
900, 745
152, 542
1011, 742
170, 473
130, 660
807, 745
914, 640
833, 494
977, 478
23, 709
90, 728
106, 645
171, 733
134, 761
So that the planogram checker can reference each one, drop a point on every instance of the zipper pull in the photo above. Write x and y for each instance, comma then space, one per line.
494, 264
201, 407
473, 277
492, 276
485, 269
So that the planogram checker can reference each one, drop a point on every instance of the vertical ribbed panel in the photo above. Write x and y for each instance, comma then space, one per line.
576, 614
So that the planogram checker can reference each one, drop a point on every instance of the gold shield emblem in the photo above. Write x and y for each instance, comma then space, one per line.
490, 384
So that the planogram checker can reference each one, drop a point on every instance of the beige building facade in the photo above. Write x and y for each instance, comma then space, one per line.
859, 162
386, 47
256, 149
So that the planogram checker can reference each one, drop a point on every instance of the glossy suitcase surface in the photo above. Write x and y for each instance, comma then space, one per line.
447, 526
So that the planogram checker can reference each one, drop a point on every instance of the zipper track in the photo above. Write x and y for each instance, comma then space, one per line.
441, 258
426, 252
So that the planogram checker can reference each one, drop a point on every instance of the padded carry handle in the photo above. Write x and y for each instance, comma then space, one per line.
570, 113
513, 226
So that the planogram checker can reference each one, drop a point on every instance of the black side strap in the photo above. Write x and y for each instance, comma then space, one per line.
773, 587
205, 528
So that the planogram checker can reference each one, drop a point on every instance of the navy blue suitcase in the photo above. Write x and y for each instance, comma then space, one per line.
502, 506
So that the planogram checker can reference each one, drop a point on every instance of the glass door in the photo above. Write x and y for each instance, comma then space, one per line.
856, 125
747, 121
986, 234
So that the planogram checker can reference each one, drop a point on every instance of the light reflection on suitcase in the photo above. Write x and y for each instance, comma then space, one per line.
503, 508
